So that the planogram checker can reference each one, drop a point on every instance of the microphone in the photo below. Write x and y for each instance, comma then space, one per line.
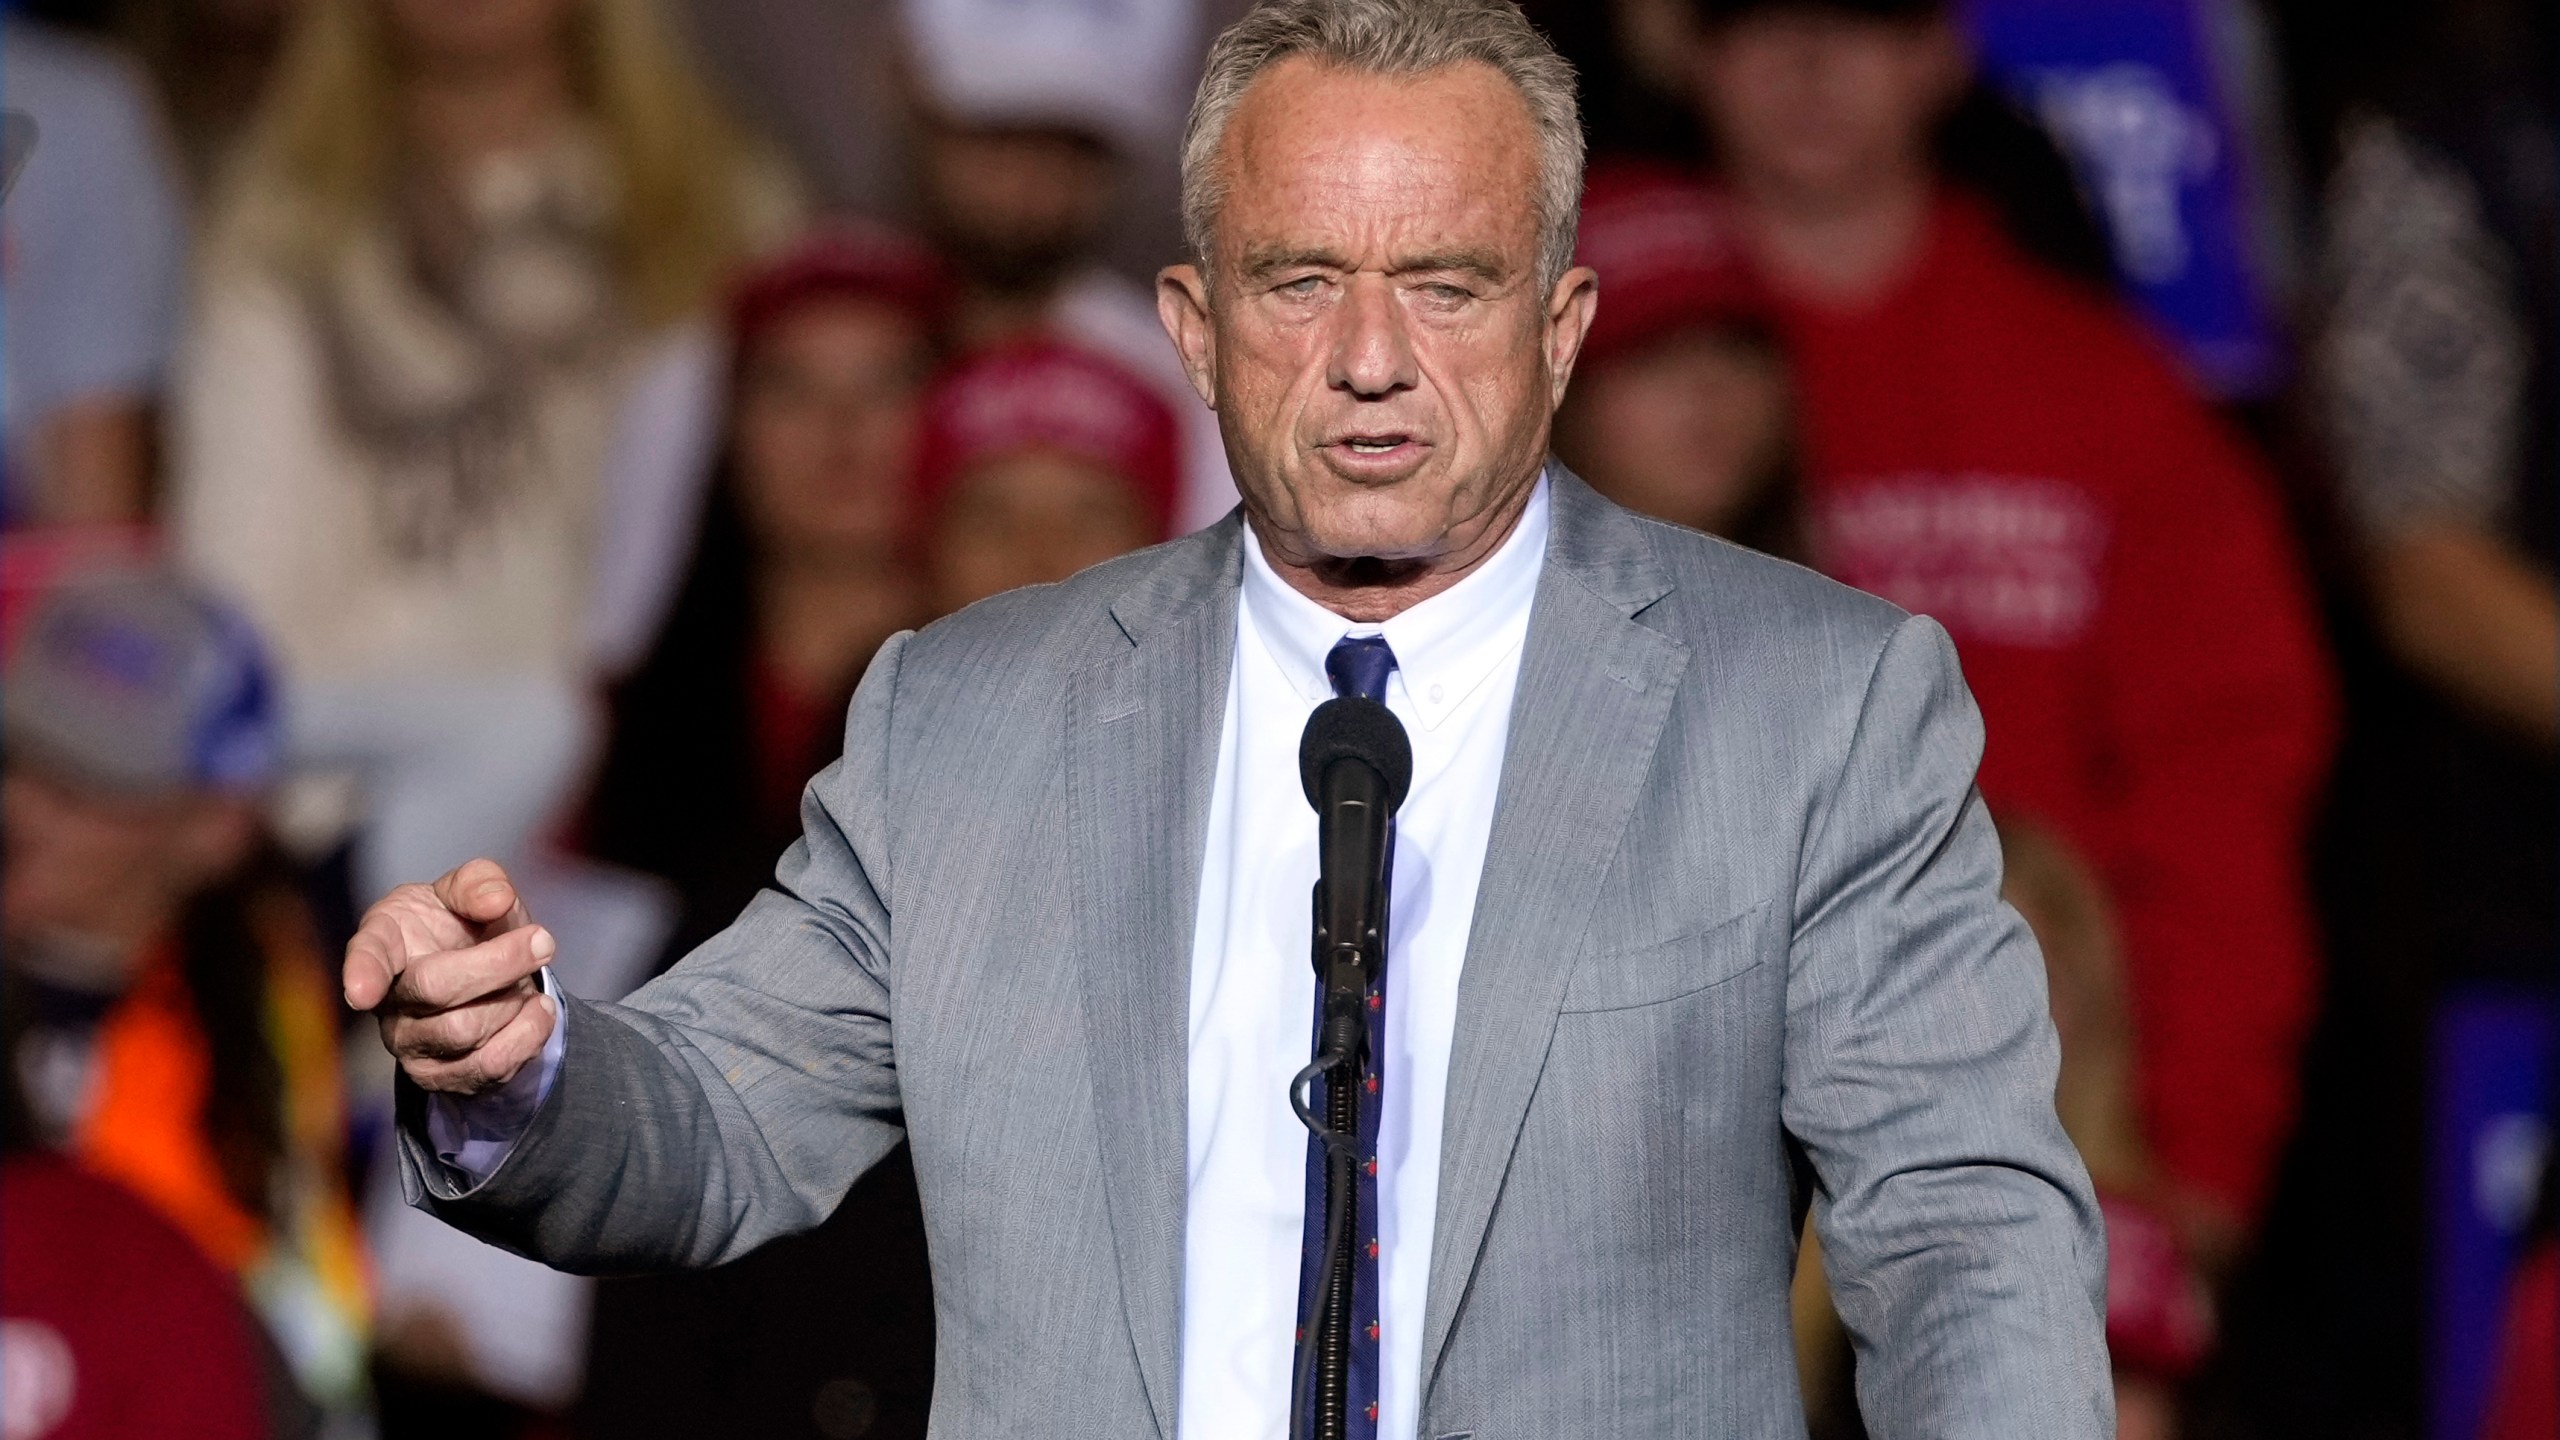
1356, 765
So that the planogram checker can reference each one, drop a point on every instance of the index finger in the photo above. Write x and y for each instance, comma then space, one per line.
375, 958
461, 977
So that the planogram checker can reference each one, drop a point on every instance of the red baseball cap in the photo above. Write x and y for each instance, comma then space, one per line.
1044, 394
850, 259
1669, 256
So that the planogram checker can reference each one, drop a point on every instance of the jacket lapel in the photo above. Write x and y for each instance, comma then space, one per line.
1142, 728
1595, 689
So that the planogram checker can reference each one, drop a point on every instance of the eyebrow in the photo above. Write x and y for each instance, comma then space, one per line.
1482, 264
1260, 264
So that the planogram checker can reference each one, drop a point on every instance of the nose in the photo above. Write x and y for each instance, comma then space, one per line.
1372, 355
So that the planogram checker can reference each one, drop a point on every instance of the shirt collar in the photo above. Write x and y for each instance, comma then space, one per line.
1446, 647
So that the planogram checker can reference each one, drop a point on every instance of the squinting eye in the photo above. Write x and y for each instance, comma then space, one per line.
1303, 285
1446, 294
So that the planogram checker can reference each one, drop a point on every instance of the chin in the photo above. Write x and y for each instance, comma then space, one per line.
1410, 500
1388, 531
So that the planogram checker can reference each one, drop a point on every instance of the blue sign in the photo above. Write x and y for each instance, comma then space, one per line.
2132, 92
2489, 1137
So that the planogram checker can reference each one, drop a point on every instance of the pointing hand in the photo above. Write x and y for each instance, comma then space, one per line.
448, 970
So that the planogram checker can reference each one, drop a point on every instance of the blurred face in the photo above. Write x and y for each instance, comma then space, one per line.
103, 867
1817, 108
1030, 519
1689, 430
1015, 206
477, 32
255, 16
826, 428
1373, 333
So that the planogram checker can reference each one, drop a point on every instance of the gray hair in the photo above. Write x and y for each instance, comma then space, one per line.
1392, 37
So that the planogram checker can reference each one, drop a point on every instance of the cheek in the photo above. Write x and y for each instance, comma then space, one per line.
798, 465
1623, 399
1751, 96
1515, 407
968, 565
1492, 377
1263, 373
966, 552
1879, 97
1074, 191
65, 859
1677, 443
889, 437
1642, 424
1642, 438
868, 465
778, 443
1744, 418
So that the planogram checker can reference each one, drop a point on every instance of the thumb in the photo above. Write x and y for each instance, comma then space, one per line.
481, 892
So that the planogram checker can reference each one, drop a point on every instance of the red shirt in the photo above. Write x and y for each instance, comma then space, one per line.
1989, 445
115, 1326
2526, 1403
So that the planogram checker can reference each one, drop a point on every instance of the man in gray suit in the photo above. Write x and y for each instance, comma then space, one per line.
1692, 896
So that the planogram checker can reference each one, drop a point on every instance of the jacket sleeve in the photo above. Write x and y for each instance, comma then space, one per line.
1964, 1245
736, 1098
2215, 717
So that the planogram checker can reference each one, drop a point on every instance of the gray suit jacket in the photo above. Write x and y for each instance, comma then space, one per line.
1739, 897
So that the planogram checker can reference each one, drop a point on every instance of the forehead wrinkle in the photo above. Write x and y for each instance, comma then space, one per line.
1390, 216
1338, 152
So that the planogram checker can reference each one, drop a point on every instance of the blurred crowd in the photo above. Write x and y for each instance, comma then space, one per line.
438, 428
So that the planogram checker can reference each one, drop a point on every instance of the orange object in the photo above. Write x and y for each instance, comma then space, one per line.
144, 1126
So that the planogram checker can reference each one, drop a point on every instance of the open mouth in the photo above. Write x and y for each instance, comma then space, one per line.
1391, 449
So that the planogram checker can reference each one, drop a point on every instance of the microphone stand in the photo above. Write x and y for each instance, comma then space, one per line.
1320, 1404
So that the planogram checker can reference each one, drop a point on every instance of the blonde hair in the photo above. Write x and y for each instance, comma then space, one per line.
327, 138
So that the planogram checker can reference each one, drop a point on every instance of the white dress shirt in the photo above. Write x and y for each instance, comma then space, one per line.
1253, 986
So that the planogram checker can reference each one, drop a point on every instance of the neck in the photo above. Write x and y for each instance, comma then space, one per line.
819, 616
460, 113
1845, 249
1368, 590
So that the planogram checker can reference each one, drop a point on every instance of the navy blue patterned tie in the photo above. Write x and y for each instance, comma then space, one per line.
1358, 665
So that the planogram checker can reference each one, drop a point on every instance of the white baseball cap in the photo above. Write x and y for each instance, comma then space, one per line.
1112, 68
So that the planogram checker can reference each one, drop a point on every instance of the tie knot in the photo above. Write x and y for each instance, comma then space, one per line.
1359, 666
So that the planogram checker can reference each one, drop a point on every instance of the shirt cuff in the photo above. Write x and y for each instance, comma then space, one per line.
472, 1134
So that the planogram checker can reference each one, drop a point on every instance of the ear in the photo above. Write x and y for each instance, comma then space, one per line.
1570, 309
1182, 303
